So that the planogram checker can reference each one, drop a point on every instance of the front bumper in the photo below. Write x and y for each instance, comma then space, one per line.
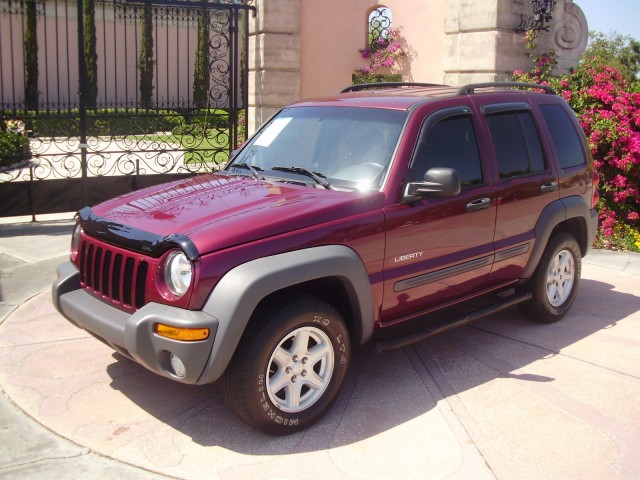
134, 335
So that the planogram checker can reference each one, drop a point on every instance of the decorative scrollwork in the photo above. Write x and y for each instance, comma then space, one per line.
18, 7
379, 24
17, 172
571, 32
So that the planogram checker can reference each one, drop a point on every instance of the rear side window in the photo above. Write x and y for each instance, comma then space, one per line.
516, 143
566, 140
450, 143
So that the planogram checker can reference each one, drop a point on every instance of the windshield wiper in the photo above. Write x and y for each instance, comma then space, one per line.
318, 177
254, 170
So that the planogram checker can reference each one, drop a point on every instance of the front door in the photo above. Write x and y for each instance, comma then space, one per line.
440, 249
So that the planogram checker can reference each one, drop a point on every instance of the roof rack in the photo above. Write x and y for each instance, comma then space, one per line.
367, 86
471, 88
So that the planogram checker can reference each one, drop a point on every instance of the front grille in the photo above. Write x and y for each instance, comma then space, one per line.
113, 274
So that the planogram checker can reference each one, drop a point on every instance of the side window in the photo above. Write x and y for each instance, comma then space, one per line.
516, 143
568, 144
449, 143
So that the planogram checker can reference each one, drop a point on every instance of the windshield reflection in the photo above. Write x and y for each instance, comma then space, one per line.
349, 147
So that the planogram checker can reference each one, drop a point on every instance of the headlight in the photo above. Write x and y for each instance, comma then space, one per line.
75, 240
177, 272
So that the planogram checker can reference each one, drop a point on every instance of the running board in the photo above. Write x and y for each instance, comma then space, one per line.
382, 345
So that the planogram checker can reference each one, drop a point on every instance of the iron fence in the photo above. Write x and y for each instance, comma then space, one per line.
116, 95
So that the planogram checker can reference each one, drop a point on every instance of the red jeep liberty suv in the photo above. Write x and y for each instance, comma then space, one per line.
341, 219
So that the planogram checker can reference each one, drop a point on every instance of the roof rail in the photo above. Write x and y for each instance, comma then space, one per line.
471, 88
367, 86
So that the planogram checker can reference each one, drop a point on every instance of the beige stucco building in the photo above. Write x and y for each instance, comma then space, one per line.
306, 48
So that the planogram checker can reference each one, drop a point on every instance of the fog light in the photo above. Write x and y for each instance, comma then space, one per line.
178, 367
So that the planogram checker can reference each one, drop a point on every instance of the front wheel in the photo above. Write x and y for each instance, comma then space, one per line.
555, 283
289, 367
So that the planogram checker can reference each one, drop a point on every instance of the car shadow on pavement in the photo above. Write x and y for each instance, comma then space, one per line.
385, 391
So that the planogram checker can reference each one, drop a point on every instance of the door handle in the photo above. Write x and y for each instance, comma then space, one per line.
478, 204
549, 187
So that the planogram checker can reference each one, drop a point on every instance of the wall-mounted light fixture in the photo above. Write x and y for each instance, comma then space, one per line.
542, 15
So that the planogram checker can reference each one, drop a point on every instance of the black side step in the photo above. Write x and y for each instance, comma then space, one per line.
382, 345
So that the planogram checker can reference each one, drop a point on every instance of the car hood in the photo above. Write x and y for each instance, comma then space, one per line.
220, 211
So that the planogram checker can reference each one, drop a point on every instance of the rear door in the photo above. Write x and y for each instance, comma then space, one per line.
526, 182
440, 249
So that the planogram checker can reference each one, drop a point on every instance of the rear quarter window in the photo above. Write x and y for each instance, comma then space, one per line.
567, 142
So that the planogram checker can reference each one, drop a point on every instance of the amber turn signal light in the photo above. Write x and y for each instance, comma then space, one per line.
183, 334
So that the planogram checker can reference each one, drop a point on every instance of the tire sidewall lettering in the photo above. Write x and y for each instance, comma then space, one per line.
322, 320
246, 383
273, 413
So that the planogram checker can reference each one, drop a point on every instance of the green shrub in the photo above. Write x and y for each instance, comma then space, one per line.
202, 120
14, 148
105, 122
608, 108
360, 78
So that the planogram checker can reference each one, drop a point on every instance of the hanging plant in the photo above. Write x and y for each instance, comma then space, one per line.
383, 56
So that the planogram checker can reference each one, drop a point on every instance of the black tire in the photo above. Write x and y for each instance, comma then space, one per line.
555, 282
275, 385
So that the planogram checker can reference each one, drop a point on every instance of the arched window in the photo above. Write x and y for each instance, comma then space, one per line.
382, 50
379, 23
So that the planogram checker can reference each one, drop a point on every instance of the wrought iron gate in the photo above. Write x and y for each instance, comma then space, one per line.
116, 95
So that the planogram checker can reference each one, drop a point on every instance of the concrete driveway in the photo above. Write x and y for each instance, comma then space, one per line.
503, 398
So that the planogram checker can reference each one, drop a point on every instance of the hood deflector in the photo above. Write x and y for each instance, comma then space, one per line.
133, 238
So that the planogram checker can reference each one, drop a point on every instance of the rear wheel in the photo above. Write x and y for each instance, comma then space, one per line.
555, 283
289, 367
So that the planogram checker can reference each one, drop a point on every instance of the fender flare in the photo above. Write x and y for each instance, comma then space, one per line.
552, 215
238, 293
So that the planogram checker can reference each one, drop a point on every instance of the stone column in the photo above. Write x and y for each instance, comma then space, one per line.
483, 43
274, 59
480, 40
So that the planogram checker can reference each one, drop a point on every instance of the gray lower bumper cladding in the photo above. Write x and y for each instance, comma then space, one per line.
134, 335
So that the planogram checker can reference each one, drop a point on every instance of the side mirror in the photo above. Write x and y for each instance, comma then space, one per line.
438, 182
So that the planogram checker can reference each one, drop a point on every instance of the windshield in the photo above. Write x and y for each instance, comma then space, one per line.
349, 147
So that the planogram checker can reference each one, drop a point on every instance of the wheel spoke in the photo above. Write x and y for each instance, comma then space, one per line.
565, 289
314, 380
565, 263
318, 352
281, 358
300, 342
278, 381
292, 395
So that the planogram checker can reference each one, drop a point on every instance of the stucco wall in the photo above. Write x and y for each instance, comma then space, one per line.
332, 32
307, 48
